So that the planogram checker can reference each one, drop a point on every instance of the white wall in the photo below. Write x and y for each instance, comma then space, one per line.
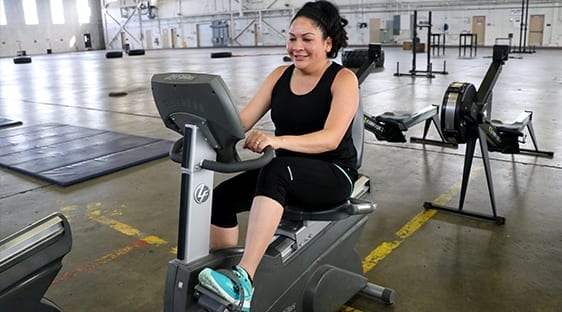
272, 18
191, 20
36, 39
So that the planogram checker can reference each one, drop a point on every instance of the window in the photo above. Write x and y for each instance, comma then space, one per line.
3, 20
30, 12
57, 12
84, 11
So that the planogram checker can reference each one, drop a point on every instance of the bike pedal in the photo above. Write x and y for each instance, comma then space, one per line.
213, 302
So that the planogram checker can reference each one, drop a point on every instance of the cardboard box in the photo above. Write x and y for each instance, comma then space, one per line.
407, 45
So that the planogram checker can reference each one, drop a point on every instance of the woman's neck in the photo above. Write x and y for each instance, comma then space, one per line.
317, 70
302, 82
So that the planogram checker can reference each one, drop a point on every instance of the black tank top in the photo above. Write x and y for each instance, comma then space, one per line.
300, 114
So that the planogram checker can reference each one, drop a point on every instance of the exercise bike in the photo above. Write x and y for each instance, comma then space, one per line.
310, 265
29, 261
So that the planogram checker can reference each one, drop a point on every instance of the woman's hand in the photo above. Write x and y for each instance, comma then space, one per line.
257, 141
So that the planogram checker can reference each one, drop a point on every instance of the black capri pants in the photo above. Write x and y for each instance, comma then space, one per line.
309, 183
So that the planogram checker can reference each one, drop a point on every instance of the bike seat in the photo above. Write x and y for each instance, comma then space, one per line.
301, 225
352, 206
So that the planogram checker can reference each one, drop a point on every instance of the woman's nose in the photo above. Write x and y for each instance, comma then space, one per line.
297, 45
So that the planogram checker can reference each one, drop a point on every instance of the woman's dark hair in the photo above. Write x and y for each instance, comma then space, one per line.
327, 17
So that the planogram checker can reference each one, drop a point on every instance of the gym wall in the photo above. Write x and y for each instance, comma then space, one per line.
158, 24
36, 39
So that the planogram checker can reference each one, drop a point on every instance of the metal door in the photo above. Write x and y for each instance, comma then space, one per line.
536, 29
374, 30
479, 28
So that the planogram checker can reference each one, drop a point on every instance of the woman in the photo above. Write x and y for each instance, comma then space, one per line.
312, 103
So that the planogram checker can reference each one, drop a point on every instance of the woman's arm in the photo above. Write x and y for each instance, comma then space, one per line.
261, 102
345, 100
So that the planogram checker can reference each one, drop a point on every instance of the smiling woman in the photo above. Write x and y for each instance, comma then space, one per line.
316, 163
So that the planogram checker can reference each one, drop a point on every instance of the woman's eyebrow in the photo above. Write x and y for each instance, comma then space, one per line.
308, 33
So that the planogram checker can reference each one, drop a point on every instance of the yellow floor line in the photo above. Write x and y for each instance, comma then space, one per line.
125, 229
407, 230
369, 262
107, 258
95, 214
413, 225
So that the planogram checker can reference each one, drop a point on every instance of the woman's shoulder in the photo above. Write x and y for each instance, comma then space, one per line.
346, 74
279, 70
276, 74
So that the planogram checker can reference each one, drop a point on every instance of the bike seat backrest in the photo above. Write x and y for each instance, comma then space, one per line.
358, 133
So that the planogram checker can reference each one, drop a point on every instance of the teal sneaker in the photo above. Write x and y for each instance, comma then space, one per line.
227, 285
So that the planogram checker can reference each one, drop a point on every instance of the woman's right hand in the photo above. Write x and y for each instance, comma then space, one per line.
257, 141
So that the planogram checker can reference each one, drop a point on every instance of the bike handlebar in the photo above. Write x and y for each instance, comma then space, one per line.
224, 167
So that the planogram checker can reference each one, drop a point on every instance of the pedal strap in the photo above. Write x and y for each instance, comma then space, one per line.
238, 285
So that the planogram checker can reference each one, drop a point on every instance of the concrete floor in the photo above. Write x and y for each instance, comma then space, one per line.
449, 262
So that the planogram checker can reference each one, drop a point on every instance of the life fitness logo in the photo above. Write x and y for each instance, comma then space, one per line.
201, 193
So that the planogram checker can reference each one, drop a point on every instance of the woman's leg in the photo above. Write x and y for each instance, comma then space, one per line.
310, 183
224, 236
263, 221
264, 218
230, 198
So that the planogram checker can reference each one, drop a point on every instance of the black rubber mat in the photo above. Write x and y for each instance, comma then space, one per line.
65, 155
5, 122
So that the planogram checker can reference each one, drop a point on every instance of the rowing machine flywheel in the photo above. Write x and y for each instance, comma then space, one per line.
456, 111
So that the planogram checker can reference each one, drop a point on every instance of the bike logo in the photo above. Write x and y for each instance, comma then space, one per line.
201, 193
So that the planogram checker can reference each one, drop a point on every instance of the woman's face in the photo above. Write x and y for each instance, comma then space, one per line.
306, 44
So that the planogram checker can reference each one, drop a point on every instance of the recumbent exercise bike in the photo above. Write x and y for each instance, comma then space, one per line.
310, 265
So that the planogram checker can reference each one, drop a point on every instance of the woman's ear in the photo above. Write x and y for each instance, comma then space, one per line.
328, 44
